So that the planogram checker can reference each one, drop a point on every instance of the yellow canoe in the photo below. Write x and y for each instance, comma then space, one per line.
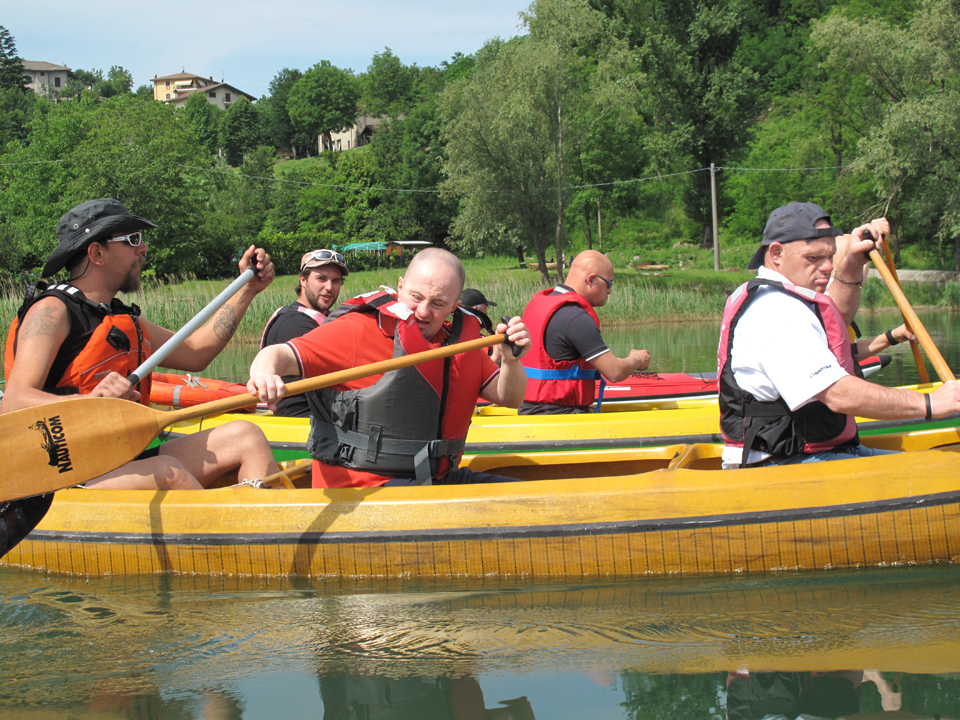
500, 430
571, 516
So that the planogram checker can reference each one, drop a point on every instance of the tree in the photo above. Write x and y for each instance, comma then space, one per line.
912, 74
240, 131
204, 119
698, 96
324, 100
122, 147
11, 66
119, 80
16, 109
513, 125
238, 205
279, 129
388, 85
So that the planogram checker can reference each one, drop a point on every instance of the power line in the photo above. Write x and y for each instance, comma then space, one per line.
433, 191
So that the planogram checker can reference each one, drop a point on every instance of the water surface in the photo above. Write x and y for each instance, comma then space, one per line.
191, 647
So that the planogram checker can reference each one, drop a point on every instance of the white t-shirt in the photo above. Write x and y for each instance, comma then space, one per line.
780, 349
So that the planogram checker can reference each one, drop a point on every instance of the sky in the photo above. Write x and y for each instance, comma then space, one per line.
246, 42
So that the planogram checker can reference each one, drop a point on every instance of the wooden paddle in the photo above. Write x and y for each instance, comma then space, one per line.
926, 342
914, 345
65, 443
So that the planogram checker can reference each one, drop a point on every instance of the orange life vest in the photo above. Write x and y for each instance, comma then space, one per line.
102, 339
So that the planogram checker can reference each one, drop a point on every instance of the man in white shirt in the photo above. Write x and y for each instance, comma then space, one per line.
788, 392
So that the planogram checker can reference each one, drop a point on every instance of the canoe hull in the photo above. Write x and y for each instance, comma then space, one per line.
683, 521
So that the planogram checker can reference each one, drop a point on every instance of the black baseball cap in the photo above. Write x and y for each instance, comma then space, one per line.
796, 221
471, 298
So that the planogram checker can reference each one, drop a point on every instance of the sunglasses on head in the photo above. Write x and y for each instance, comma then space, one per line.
135, 239
324, 255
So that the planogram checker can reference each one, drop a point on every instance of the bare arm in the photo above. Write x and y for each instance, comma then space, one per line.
865, 348
511, 384
616, 369
44, 329
852, 396
199, 350
849, 266
265, 371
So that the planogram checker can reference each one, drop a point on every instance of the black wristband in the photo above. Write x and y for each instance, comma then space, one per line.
926, 397
891, 339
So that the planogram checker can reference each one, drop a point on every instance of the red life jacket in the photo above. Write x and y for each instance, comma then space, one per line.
102, 339
412, 422
770, 426
315, 315
549, 381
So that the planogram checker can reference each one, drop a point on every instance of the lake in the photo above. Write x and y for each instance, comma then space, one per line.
827, 644
197, 647
692, 346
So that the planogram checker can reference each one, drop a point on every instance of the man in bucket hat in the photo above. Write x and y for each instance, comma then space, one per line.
318, 289
78, 338
788, 388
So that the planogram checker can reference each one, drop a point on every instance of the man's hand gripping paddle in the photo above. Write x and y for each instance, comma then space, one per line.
66, 443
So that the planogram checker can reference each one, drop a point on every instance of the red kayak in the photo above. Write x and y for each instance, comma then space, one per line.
647, 386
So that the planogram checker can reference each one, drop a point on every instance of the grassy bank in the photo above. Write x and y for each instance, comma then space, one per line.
639, 296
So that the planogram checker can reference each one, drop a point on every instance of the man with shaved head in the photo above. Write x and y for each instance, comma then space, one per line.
405, 427
568, 353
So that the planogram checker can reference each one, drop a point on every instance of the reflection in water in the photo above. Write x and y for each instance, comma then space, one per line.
176, 646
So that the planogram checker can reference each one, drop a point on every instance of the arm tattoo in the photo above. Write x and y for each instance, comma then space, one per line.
42, 321
225, 324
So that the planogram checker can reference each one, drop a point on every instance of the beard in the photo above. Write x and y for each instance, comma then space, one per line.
131, 281
317, 302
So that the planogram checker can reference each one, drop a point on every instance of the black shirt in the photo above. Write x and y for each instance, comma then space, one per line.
290, 324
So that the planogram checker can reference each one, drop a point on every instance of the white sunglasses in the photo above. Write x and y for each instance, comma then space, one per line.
135, 239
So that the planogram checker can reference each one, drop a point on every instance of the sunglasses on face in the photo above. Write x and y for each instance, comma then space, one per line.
608, 282
324, 255
135, 239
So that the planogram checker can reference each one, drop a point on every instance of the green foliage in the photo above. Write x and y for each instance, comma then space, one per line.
387, 85
240, 130
11, 66
409, 155
117, 81
950, 295
514, 125
278, 126
324, 100
237, 205
698, 95
203, 119
911, 76
123, 147
16, 109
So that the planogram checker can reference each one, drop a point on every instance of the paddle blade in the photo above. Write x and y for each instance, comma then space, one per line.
66, 443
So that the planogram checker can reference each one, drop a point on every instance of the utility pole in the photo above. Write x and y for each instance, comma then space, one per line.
716, 242
599, 227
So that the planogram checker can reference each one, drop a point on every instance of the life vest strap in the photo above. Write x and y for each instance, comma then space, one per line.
372, 444
572, 373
